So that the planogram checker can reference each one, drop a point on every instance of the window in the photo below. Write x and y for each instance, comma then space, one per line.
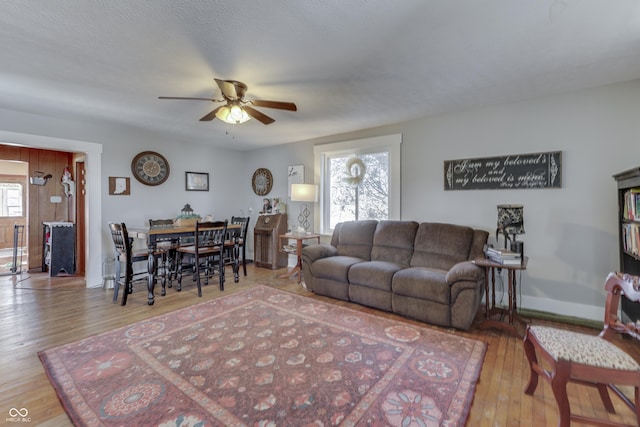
359, 180
11, 199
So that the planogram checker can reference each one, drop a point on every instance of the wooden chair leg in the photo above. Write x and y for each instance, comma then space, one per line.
128, 283
530, 351
603, 390
207, 270
244, 260
221, 271
637, 403
163, 274
116, 281
197, 262
559, 379
179, 272
171, 265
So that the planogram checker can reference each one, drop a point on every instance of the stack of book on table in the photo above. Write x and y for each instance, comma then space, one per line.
504, 256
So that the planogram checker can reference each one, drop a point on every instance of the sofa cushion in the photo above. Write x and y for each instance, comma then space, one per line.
355, 238
393, 241
334, 267
441, 246
373, 274
422, 283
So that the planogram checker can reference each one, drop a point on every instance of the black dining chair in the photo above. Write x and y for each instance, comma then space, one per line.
206, 255
242, 238
166, 250
124, 254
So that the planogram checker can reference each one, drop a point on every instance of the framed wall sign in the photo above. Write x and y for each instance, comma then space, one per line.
295, 175
516, 171
197, 181
119, 186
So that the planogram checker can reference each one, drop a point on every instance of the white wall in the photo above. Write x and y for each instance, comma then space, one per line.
165, 201
571, 233
109, 153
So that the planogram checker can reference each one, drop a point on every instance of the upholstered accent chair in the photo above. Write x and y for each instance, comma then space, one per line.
587, 359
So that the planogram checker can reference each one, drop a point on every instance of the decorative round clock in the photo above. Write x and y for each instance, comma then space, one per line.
150, 168
262, 181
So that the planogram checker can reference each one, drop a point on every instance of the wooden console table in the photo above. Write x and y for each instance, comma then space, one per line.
490, 309
295, 250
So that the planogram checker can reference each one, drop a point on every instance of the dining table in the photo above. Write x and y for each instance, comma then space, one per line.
175, 232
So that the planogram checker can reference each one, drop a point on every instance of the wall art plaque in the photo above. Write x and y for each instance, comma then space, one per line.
516, 171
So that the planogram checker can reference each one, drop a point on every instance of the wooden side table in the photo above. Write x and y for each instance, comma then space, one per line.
296, 250
491, 310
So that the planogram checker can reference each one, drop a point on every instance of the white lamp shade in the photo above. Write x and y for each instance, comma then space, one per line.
304, 193
233, 114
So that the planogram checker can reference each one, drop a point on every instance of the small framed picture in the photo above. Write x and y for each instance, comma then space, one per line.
197, 181
119, 186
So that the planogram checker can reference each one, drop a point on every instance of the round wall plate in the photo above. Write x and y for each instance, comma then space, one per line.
262, 181
150, 168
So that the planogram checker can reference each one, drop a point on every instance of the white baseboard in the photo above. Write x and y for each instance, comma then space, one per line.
561, 308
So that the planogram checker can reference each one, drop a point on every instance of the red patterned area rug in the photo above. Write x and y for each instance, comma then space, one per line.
263, 357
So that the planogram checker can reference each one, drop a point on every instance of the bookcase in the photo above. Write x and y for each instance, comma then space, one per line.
629, 232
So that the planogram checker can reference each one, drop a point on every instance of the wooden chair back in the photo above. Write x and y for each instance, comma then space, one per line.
160, 223
244, 222
210, 234
241, 239
122, 243
620, 285
124, 253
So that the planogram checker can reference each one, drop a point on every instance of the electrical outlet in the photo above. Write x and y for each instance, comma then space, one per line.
56, 199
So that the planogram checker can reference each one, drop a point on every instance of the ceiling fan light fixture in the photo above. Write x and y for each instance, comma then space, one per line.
237, 110
233, 114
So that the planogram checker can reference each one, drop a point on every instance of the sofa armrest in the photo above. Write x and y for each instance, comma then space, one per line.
465, 270
312, 253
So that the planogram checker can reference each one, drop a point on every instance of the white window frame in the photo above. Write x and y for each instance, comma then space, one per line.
322, 152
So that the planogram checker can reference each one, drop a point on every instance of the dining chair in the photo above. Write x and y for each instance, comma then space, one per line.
124, 254
207, 254
166, 250
588, 359
242, 238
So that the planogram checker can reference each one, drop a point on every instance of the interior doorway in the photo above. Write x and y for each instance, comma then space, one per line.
14, 250
80, 195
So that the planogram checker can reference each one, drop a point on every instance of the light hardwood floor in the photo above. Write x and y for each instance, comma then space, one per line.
38, 312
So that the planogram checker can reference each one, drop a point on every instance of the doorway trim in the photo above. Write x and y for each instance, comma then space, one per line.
93, 207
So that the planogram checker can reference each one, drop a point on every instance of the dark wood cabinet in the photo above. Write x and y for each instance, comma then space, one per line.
58, 247
266, 236
629, 232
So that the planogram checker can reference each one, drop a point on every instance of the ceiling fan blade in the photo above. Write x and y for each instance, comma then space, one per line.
196, 99
232, 89
211, 115
290, 106
258, 115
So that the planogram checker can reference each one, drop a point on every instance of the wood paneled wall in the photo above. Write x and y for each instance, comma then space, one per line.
40, 208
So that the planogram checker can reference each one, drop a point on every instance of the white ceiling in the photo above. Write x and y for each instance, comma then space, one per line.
348, 65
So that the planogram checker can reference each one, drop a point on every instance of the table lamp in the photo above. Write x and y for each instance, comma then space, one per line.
511, 222
306, 193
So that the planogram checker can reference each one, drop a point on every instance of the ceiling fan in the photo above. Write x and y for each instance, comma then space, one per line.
236, 109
